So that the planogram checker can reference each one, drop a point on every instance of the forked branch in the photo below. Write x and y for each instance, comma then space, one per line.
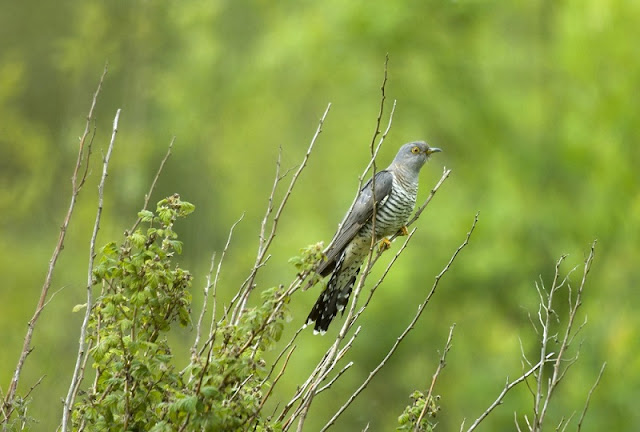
77, 181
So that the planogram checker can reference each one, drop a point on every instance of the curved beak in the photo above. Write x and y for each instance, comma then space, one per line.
431, 150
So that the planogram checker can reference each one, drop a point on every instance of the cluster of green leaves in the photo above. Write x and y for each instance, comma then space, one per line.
137, 386
18, 419
228, 379
412, 418
142, 295
308, 261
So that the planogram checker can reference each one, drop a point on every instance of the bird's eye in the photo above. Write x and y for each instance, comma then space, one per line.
415, 150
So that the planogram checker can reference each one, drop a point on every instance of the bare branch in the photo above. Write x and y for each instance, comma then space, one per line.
382, 100
248, 285
213, 327
445, 175
335, 378
441, 364
547, 305
265, 219
277, 360
558, 371
365, 171
275, 381
76, 185
508, 386
147, 196
586, 404
205, 300
78, 372
37, 383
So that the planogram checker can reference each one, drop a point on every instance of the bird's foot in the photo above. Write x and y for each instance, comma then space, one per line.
385, 244
403, 231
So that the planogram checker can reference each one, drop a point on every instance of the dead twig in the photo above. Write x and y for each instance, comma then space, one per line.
147, 196
265, 243
441, 364
508, 386
77, 181
78, 372
205, 300
586, 404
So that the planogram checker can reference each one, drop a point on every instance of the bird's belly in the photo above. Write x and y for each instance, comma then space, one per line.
357, 250
392, 215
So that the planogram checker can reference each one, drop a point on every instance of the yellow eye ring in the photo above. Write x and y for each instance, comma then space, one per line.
415, 150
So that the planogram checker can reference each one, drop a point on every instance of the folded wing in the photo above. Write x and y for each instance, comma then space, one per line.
359, 216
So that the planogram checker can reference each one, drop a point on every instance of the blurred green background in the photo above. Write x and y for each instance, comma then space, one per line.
535, 104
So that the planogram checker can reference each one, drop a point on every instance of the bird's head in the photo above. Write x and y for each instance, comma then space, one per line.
413, 155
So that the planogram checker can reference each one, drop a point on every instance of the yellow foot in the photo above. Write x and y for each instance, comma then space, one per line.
403, 231
384, 244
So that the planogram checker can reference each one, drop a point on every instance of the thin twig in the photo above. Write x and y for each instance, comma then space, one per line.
75, 190
205, 300
593, 387
53, 294
445, 175
558, 371
213, 327
334, 379
78, 372
441, 364
382, 100
385, 272
374, 152
265, 219
545, 305
508, 386
248, 285
273, 384
147, 196
37, 383
301, 389
277, 360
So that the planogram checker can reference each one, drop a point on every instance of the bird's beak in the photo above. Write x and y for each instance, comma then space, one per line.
433, 150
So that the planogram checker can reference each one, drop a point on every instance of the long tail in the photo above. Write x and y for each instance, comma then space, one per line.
334, 298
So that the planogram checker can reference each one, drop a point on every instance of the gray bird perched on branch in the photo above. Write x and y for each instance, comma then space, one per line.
394, 192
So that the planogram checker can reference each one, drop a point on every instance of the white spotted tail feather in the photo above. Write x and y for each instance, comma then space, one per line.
335, 297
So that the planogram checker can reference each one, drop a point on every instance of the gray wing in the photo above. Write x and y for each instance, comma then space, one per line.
361, 213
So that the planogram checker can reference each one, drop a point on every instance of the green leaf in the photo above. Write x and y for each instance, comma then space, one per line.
79, 307
210, 391
145, 215
186, 208
187, 404
176, 245
110, 249
138, 239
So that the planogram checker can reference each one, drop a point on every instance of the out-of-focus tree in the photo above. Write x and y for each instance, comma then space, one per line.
533, 104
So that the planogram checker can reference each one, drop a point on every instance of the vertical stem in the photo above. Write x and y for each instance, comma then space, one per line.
78, 372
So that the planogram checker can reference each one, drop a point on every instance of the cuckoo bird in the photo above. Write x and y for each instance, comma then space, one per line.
394, 194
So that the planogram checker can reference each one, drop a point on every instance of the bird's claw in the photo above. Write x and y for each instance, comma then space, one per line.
385, 244
403, 231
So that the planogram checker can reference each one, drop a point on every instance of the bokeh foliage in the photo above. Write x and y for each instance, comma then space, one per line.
533, 102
